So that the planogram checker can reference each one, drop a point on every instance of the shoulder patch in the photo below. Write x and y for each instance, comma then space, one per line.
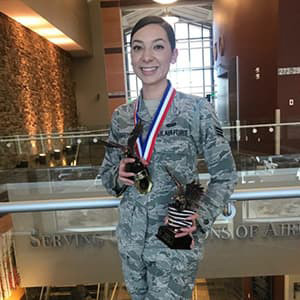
219, 131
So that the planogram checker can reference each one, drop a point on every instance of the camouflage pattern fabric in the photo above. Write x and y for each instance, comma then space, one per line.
191, 129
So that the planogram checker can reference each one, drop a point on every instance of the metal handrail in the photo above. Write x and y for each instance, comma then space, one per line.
104, 132
55, 205
112, 202
262, 125
56, 137
53, 134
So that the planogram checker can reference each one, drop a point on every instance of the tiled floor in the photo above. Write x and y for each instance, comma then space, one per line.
211, 289
204, 290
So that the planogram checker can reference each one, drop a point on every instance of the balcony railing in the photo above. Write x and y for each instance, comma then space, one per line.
264, 145
112, 202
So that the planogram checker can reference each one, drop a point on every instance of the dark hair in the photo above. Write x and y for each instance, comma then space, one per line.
155, 20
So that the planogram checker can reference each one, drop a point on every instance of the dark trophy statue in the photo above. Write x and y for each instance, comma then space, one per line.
142, 179
186, 202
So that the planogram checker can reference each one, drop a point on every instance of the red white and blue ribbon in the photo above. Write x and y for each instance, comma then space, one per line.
145, 147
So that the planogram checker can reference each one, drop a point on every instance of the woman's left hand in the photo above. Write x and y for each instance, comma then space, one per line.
189, 230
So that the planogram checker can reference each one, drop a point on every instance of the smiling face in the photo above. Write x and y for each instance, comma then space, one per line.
151, 56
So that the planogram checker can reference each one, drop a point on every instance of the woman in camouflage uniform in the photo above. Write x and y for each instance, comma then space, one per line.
188, 128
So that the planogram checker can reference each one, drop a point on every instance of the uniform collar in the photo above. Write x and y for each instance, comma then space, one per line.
143, 112
146, 117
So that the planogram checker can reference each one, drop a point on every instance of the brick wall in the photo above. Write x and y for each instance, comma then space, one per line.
36, 87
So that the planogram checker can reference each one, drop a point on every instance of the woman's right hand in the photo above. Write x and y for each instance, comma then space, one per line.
123, 174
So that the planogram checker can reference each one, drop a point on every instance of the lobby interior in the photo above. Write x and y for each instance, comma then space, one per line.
65, 67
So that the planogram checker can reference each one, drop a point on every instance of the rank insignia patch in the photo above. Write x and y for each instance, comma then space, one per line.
219, 131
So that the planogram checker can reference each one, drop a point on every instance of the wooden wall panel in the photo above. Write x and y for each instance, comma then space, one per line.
289, 30
113, 49
114, 72
114, 62
278, 287
268, 45
289, 88
247, 288
288, 85
242, 27
112, 35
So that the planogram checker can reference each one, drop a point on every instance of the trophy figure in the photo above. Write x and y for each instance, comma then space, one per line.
185, 203
142, 179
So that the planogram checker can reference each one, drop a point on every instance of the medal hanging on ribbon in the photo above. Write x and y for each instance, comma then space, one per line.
145, 147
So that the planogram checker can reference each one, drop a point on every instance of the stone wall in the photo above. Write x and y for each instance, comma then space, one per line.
36, 87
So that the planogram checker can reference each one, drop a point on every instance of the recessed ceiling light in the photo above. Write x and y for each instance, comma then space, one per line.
165, 1
48, 32
30, 21
60, 40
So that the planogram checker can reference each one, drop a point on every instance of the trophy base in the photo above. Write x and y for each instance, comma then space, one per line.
167, 236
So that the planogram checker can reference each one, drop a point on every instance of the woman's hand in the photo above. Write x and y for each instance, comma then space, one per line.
189, 230
123, 174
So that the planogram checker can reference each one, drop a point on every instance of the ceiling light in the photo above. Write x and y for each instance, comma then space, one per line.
165, 1
171, 19
30, 21
60, 40
48, 32
42, 27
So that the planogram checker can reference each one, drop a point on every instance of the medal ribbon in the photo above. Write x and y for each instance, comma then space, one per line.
145, 148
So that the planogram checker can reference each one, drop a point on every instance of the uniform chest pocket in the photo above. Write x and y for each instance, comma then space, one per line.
174, 140
177, 156
175, 146
171, 149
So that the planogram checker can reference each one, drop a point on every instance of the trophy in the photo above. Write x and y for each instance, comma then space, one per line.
185, 203
142, 179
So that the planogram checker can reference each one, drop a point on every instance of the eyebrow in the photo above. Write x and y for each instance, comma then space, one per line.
157, 40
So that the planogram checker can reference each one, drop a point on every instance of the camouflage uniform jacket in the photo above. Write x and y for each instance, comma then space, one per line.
190, 130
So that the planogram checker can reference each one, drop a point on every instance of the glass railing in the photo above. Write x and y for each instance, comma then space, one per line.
51, 150
63, 243
264, 138
60, 251
255, 146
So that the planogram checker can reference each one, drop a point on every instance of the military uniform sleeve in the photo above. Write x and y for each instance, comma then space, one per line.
109, 169
220, 164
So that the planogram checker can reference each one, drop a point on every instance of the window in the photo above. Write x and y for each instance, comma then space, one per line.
194, 72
